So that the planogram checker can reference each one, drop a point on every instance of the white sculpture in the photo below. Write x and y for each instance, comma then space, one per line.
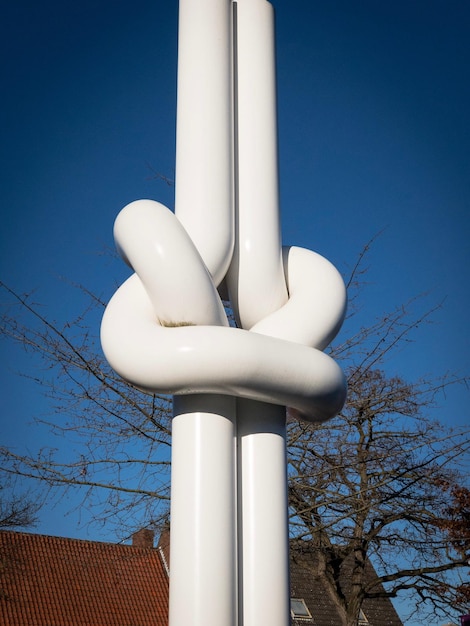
165, 329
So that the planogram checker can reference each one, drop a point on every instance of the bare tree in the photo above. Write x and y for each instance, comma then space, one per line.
370, 486
17, 511
121, 435
374, 484
456, 522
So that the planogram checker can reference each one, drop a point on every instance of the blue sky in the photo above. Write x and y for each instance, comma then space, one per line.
373, 104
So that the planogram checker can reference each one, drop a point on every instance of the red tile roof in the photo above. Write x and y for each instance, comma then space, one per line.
52, 581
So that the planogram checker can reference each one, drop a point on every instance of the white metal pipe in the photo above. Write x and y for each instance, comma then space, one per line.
256, 278
214, 359
204, 153
190, 356
154, 243
317, 301
165, 329
203, 515
263, 524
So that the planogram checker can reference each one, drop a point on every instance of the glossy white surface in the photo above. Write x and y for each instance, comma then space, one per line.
203, 512
317, 299
165, 329
204, 150
154, 243
256, 279
215, 359
264, 545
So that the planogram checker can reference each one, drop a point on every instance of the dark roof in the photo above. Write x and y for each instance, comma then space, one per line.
52, 581
306, 585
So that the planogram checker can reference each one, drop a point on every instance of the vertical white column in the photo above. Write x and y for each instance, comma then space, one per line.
257, 288
203, 507
204, 130
256, 277
203, 512
264, 591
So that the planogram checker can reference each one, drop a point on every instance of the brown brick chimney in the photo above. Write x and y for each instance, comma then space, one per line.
143, 538
164, 547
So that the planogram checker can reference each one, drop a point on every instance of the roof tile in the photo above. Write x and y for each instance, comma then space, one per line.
53, 581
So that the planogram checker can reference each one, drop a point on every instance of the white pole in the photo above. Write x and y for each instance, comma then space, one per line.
258, 289
165, 329
204, 135
203, 514
256, 277
263, 523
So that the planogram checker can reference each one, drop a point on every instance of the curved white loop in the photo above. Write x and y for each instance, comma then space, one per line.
172, 287
317, 301
153, 242
213, 359
292, 301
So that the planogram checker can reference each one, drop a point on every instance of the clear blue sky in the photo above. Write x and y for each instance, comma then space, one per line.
374, 99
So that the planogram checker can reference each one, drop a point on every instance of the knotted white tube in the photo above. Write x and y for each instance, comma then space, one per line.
204, 205
317, 296
204, 358
157, 247
165, 329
